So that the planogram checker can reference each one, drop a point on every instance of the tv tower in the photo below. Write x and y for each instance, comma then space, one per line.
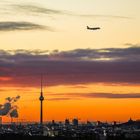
41, 103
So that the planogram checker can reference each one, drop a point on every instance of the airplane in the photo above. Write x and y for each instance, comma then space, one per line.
95, 28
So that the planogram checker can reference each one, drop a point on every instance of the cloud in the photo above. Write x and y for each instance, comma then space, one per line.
113, 54
80, 66
58, 99
11, 26
104, 16
110, 95
4, 78
28, 9
78, 96
36, 9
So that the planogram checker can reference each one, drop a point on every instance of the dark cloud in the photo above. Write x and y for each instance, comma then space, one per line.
114, 54
78, 66
11, 26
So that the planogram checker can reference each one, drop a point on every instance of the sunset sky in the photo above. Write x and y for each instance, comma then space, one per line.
91, 75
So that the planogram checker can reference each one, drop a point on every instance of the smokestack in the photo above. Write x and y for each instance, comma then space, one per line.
41, 102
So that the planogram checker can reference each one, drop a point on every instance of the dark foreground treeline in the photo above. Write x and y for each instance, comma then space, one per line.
21, 137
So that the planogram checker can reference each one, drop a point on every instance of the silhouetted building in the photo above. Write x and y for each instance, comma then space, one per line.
75, 122
53, 122
130, 120
99, 123
114, 123
67, 122
89, 123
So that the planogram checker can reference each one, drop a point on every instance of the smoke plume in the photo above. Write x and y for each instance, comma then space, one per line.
8, 108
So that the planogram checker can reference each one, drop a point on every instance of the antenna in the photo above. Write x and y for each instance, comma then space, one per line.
41, 84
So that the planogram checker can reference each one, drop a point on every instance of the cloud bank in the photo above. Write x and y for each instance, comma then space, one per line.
80, 66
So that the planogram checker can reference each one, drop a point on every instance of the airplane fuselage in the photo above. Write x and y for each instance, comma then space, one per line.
95, 28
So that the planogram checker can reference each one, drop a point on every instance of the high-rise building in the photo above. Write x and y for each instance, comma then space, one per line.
75, 122
67, 122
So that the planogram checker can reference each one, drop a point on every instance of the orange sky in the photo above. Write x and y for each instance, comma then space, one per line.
58, 104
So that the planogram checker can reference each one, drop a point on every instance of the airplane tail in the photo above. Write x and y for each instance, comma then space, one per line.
87, 27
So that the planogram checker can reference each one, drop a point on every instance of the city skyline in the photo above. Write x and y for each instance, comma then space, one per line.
91, 75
